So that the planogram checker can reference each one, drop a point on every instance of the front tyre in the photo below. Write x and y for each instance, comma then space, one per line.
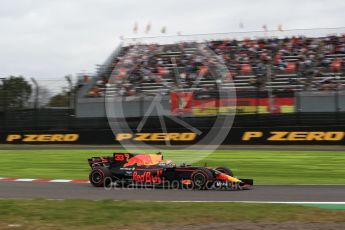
202, 178
100, 177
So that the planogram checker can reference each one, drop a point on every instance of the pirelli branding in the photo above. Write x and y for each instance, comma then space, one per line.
188, 136
30, 138
304, 135
293, 136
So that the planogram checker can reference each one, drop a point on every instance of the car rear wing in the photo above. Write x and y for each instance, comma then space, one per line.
99, 161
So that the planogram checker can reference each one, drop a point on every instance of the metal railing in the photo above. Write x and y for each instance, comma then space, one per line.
239, 35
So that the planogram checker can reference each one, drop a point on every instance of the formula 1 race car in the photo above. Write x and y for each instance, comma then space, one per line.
150, 169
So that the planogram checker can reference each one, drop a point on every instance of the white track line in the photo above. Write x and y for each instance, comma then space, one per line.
60, 181
300, 184
258, 202
204, 201
25, 180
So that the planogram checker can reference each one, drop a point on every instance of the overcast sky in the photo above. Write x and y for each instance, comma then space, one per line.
48, 39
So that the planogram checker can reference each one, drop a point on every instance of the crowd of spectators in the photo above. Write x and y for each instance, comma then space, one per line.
169, 66
305, 57
185, 65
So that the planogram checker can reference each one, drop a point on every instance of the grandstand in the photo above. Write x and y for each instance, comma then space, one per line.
268, 64
296, 63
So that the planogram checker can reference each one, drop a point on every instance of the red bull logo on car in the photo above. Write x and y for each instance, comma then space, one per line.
148, 177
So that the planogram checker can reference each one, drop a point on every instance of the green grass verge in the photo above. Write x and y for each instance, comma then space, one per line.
265, 167
328, 206
85, 214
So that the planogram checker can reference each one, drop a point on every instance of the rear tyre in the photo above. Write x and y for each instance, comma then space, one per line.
225, 170
100, 177
202, 178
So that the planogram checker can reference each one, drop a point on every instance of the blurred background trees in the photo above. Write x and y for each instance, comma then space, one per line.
15, 92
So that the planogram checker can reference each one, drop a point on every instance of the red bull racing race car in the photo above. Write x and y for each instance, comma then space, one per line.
129, 169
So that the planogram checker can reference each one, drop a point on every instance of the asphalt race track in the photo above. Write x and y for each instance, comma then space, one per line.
271, 193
